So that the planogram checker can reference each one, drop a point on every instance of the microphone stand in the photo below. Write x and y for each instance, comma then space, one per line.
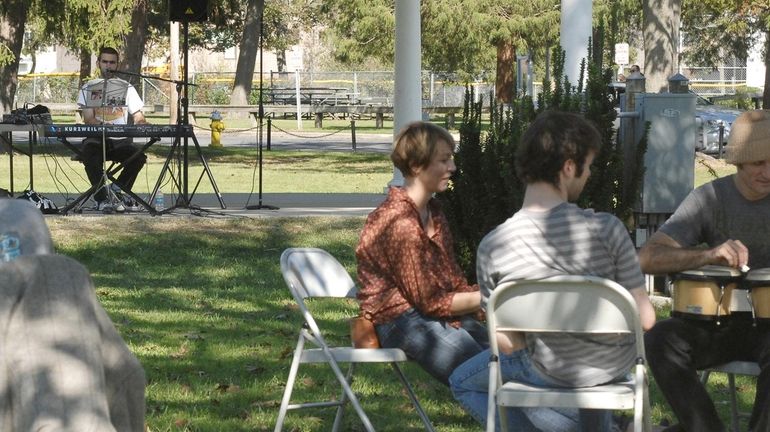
184, 131
261, 116
111, 197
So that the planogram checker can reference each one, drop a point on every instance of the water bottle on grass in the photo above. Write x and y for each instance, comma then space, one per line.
160, 201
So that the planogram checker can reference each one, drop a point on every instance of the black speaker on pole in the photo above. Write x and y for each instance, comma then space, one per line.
188, 10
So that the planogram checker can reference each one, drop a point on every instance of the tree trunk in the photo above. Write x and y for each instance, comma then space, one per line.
505, 80
280, 58
11, 35
661, 42
85, 65
135, 42
247, 53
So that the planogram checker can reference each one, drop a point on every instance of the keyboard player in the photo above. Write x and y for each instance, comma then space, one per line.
120, 101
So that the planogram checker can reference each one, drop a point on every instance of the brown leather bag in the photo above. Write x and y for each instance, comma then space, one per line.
362, 333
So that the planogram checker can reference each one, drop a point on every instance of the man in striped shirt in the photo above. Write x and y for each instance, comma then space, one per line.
550, 236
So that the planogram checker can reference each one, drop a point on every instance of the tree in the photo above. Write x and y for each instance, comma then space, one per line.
13, 17
719, 29
83, 26
244, 73
468, 37
661, 40
135, 41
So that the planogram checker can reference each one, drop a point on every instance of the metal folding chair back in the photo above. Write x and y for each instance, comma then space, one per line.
312, 273
574, 304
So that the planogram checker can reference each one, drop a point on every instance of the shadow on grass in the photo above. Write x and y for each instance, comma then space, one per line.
203, 305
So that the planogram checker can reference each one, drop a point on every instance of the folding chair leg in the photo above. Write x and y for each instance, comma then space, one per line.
348, 391
290, 384
343, 400
646, 411
734, 416
492, 408
413, 398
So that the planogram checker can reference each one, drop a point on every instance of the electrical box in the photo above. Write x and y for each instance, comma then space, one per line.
669, 170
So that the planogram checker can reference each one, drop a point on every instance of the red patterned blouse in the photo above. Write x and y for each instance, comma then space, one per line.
395, 253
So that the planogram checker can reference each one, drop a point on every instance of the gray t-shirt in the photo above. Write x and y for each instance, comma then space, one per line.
716, 212
565, 240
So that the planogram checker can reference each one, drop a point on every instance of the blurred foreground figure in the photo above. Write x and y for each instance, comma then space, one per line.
63, 365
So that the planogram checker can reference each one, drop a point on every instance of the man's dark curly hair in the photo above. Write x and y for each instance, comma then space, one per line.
552, 139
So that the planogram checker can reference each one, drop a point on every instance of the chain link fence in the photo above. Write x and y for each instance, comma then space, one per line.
355, 87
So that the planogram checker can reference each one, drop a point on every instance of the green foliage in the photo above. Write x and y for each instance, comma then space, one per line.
6, 56
715, 30
81, 24
486, 191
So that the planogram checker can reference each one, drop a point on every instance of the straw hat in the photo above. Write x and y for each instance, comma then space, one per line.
749, 138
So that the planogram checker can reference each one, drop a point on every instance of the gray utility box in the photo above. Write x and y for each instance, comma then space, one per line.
668, 163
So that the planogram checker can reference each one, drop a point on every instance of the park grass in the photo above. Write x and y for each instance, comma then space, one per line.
234, 169
203, 305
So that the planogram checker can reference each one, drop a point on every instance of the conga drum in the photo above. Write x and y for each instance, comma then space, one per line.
758, 281
705, 293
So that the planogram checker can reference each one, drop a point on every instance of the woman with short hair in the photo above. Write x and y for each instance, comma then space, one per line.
411, 285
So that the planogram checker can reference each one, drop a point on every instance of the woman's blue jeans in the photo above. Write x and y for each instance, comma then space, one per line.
435, 345
469, 384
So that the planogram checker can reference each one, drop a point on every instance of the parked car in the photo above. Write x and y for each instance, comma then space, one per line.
709, 117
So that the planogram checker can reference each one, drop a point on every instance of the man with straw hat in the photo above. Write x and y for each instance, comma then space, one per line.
723, 222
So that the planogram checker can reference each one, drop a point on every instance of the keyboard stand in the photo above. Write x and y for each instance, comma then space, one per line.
113, 169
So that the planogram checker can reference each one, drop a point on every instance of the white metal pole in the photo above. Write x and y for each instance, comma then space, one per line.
407, 106
575, 33
296, 97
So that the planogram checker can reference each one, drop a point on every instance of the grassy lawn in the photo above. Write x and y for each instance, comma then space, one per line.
234, 169
203, 305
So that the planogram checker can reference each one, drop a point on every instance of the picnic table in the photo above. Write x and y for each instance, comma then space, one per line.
311, 96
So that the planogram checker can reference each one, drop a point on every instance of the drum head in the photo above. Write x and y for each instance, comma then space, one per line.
709, 272
759, 275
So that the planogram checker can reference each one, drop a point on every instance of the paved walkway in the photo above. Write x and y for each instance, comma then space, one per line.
287, 204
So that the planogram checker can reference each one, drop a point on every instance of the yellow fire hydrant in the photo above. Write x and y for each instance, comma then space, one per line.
217, 126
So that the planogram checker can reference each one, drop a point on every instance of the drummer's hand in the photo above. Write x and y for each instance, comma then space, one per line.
732, 252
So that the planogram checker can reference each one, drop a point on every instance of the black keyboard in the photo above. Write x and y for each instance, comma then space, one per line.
133, 131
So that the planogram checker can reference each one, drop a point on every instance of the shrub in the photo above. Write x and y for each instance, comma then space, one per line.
486, 191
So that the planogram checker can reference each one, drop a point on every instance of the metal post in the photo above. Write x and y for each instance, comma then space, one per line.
721, 137
353, 133
269, 132
297, 96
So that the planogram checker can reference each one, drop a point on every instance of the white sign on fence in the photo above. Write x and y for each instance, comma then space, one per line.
621, 53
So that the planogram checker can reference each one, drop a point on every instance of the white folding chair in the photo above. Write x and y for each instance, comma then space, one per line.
731, 369
309, 273
574, 304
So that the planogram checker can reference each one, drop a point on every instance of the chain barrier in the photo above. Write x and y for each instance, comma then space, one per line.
307, 136
273, 126
226, 131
